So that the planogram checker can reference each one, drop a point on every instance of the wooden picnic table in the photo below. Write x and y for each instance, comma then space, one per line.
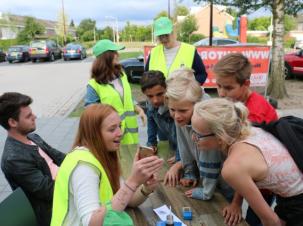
205, 213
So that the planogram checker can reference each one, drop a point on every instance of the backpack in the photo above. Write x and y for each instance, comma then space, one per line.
289, 131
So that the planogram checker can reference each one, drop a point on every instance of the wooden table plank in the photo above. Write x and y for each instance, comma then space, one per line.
205, 213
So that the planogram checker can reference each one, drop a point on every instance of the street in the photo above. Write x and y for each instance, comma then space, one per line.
56, 87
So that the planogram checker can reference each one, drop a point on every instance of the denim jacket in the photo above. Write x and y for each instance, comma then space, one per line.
159, 122
23, 167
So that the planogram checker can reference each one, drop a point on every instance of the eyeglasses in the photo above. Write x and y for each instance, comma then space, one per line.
198, 137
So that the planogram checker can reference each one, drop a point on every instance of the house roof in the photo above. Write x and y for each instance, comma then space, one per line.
198, 9
20, 20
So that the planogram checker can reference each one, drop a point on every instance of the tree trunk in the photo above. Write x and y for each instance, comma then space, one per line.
276, 87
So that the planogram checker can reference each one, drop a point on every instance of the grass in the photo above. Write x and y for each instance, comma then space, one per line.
125, 55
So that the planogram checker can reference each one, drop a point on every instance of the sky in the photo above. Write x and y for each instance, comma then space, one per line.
103, 11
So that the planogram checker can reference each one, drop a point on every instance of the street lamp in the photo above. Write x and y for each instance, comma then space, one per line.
115, 34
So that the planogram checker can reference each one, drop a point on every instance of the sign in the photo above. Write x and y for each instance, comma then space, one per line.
259, 57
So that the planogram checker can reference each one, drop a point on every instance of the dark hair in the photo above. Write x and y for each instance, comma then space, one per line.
103, 70
10, 104
151, 79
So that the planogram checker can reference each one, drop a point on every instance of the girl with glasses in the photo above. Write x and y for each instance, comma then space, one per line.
255, 160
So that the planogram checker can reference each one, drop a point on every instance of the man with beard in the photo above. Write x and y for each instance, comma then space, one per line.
28, 161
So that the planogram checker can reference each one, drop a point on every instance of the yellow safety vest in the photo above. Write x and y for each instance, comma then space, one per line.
60, 201
184, 57
125, 107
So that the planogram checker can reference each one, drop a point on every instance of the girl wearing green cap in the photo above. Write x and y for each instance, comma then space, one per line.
109, 85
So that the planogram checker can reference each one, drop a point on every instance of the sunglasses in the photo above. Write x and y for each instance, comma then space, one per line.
199, 137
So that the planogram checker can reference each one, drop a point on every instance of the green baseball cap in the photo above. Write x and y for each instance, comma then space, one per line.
163, 26
105, 45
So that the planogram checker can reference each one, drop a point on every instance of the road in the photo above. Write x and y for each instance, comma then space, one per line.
56, 87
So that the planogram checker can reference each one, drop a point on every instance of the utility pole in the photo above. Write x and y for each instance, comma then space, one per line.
115, 28
64, 29
211, 23
168, 9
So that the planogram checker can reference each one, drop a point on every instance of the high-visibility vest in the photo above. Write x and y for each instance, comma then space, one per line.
125, 108
61, 192
184, 57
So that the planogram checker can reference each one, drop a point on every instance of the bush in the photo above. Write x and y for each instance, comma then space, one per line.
289, 42
253, 39
89, 44
5, 44
196, 37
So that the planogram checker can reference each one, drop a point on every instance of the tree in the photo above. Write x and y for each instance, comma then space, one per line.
84, 26
276, 87
106, 33
31, 29
262, 23
181, 11
72, 24
162, 13
133, 32
186, 28
290, 23
259, 24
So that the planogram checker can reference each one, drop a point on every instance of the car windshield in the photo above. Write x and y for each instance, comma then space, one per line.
38, 44
15, 49
72, 46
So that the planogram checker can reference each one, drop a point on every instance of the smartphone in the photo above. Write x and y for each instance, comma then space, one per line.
145, 151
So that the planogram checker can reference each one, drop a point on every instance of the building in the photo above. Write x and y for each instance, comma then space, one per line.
220, 18
10, 25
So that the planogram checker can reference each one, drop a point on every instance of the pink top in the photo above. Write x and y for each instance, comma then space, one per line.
284, 177
51, 165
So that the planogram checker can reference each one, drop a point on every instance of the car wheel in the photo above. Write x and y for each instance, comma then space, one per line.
65, 59
33, 60
287, 72
128, 74
10, 61
52, 57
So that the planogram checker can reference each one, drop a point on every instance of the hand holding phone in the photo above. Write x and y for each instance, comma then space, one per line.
145, 151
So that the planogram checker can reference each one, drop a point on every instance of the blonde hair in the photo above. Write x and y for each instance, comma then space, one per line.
234, 64
182, 85
226, 119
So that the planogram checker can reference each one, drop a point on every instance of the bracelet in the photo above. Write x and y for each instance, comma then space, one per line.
144, 193
129, 187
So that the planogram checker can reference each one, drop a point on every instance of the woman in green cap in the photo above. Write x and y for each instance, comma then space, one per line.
89, 190
109, 85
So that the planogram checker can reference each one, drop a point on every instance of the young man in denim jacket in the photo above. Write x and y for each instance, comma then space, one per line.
159, 121
28, 161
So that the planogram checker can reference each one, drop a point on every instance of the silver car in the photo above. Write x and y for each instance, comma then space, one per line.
216, 42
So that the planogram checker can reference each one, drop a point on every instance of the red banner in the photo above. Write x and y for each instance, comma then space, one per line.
259, 57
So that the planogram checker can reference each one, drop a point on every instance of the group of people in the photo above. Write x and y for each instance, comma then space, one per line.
215, 145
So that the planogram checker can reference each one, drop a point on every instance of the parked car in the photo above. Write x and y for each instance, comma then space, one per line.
2, 55
74, 51
293, 64
44, 49
18, 53
134, 68
298, 44
216, 42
